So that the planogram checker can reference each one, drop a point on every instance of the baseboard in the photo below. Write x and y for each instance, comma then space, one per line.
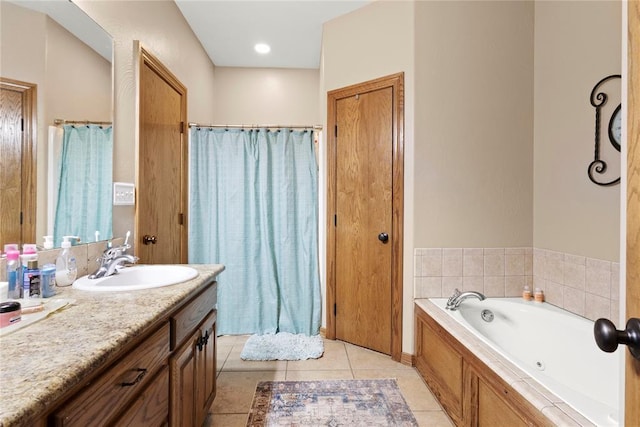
407, 359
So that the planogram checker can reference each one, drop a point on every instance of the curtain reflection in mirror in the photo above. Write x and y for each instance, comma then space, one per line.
83, 205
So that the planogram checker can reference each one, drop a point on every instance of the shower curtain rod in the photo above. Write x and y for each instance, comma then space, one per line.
79, 122
315, 127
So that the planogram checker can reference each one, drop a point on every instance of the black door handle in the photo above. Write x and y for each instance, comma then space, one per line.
608, 337
149, 240
383, 237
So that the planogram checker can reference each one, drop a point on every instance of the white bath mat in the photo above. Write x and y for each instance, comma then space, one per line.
282, 346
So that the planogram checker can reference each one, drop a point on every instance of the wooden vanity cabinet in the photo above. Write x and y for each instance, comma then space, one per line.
469, 391
193, 370
151, 408
167, 377
102, 400
193, 363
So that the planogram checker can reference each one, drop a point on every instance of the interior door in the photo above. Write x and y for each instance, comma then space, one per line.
632, 370
365, 213
161, 229
17, 148
363, 219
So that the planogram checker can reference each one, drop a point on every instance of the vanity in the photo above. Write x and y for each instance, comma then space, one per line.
118, 358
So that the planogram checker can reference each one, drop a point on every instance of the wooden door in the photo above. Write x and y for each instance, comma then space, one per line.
363, 219
632, 371
18, 160
161, 211
364, 285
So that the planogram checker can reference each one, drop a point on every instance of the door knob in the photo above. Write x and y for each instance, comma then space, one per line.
608, 337
149, 240
383, 237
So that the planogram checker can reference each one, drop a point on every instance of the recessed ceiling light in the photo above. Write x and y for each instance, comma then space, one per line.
262, 48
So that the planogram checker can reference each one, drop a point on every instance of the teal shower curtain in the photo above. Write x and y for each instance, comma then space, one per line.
254, 208
84, 203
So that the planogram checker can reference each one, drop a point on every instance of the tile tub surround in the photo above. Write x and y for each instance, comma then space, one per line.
41, 362
551, 406
585, 286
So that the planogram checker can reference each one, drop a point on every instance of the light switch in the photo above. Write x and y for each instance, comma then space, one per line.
124, 193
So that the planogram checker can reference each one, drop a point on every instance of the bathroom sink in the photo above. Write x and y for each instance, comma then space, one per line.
138, 277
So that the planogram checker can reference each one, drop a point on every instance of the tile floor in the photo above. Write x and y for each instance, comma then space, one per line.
237, 379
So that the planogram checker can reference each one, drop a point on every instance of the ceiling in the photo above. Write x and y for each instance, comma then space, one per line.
228, 30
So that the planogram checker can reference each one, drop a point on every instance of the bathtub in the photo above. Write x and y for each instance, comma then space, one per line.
553, 346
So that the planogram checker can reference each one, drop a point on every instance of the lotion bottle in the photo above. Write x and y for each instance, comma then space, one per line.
13, 264
66, 270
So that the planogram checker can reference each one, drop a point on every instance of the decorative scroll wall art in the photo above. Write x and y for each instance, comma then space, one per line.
608, 130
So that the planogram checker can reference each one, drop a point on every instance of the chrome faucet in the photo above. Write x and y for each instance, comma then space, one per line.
456, 299
112, 258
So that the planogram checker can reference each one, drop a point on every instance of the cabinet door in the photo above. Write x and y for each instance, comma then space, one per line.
151, 408
206, 368
183, 375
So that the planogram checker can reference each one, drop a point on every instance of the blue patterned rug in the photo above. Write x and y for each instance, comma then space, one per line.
330, 403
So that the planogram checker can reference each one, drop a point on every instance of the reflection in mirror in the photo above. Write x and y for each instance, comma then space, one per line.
81, 183
55, 47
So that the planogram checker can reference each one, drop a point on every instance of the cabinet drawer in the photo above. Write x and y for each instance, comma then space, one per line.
185, 321
104, 397
151, 408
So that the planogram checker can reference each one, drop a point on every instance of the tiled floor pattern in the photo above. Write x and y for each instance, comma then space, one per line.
237, 379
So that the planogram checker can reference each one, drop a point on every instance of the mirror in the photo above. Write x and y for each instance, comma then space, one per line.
59, 50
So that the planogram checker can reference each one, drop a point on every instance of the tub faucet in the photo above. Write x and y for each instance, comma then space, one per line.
456, 299
111, 259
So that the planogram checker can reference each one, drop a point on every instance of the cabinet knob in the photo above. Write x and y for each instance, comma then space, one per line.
383, 237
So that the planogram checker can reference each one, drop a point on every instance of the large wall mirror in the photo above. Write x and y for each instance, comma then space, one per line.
56, 64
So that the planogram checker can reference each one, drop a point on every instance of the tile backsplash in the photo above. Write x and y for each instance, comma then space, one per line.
86, 257
585, 286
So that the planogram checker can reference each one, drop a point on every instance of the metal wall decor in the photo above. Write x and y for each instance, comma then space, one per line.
612, 117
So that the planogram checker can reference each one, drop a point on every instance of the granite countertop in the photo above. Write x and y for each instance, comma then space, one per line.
39, 363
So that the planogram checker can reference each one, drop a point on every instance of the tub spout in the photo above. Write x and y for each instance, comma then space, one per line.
456, 299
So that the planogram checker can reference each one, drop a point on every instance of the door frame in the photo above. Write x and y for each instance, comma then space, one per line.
29, 184
396, 82
632, 279
148, 59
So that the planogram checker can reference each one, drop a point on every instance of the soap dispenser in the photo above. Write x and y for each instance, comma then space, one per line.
66, 269
48, 242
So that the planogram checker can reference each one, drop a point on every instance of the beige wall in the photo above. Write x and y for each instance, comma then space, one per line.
474, 132
162, 30
266, 96
576, 44
468, 159
74, 82
372, 42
